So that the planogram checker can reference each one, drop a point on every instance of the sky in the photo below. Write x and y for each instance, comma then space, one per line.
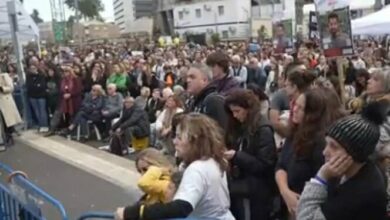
43, 7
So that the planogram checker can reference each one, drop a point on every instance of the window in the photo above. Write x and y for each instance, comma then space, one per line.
225, 34
221, 10
198, 13
180, 15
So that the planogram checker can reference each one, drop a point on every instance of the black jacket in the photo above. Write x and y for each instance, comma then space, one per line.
301, 168
135, 118
361, 197
36, 85
210, 103
152, 106
254, 162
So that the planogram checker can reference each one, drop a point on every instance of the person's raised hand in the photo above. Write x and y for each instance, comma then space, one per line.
229, 154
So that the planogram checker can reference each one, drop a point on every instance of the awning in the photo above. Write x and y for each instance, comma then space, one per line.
377, 23
28, 30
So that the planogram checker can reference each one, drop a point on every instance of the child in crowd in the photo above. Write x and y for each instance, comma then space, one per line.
159, 179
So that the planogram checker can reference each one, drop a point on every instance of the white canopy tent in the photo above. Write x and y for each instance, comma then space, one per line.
17, 25
353, 5
377, 23
28, 30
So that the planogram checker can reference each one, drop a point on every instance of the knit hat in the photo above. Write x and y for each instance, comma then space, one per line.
359, 134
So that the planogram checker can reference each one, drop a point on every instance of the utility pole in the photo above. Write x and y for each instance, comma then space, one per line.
299, 19
78, 28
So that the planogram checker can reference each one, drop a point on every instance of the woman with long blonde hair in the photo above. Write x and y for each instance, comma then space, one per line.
203, 192
158, 180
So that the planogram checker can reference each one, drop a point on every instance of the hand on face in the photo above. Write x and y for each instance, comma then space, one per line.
335, 167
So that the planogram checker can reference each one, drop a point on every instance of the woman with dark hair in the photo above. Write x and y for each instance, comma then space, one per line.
52, 89
252, 157
263, 98
96, 76
301, 155
297, 83
361, 81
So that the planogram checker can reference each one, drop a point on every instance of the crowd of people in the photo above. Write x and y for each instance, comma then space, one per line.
254, 134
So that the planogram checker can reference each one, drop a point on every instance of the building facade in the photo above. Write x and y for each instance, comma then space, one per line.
46, 32
124, 14
229, 18
95, 30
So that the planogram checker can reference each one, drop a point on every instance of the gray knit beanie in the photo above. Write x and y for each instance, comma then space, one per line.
359, 134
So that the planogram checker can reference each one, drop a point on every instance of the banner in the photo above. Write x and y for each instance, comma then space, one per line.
314, 34
335, 27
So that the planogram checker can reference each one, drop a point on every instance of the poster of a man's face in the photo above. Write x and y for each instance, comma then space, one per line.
335, 31
283, 36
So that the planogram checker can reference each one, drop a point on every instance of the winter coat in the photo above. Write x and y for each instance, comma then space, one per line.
36, 85
73, 86
7, 104
135, 118
210, 103
113, 104
155, 184
225, 85
93, 106
120, 80
252, 167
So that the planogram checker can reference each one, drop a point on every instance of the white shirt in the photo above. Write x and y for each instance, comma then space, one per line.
205, 188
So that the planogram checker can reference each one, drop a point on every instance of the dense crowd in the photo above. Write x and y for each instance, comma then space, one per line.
231, 131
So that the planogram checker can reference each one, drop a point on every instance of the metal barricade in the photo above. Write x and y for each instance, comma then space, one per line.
20, 199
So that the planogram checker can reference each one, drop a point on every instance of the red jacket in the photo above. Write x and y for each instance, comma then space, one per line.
73, 86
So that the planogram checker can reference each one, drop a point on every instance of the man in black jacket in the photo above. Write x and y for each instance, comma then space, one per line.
36, 92
205, 99
133, 123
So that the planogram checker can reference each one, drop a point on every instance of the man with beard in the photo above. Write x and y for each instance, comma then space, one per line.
338, 38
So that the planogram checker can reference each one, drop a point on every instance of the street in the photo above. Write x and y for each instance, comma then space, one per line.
79, 191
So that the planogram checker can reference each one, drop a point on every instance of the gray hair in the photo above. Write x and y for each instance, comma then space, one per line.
384, 75
204, 69
112, 85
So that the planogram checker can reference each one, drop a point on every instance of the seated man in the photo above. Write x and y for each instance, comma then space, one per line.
112, 107
90, 110
133, 123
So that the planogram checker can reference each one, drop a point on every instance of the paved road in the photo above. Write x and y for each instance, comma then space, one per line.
78, 190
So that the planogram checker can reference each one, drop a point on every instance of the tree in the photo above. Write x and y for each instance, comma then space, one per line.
215, 38
35, 16
88, 9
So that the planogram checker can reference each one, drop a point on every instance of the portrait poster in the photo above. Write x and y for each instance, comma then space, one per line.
283, 36
333, 17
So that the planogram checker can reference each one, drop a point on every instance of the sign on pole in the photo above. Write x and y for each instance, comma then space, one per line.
335, 27
59, 31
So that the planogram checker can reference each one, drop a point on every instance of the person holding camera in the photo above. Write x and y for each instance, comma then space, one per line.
252, 156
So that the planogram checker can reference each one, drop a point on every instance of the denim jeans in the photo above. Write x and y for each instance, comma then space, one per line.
39, 109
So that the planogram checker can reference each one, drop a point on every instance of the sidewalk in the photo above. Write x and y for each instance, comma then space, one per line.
117, 170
